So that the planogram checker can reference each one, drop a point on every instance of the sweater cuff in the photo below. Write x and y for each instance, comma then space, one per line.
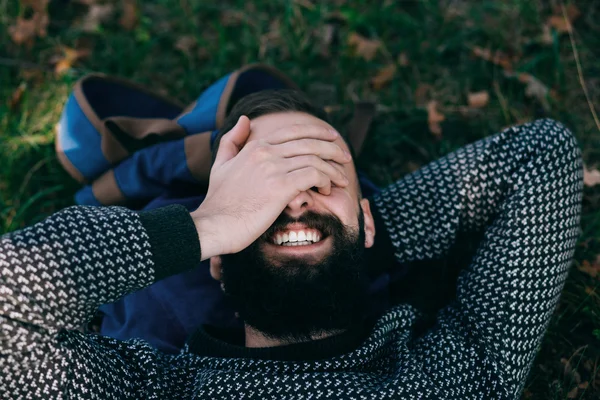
173, 239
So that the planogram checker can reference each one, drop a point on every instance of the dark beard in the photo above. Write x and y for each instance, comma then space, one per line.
297, 300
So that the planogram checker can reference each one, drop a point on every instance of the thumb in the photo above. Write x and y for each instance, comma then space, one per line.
232, 141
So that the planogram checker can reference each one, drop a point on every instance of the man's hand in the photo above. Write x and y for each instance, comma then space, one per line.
249, 188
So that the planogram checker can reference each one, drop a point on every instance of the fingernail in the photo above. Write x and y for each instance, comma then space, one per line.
336, 133
348, 155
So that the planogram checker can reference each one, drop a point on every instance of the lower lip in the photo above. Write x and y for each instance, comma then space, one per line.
310, 248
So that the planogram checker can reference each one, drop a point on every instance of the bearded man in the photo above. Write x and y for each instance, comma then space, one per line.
285, 227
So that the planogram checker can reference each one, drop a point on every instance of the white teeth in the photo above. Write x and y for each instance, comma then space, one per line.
293, 236
304, 243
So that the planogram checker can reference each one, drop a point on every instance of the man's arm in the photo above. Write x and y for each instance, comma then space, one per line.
56, 273
522, 188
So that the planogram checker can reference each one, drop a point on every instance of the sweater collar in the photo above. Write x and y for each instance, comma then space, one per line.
211, 341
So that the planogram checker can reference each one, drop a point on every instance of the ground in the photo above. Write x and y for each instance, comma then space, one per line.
442, 73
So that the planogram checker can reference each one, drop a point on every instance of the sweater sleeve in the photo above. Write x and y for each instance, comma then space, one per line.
522, 188
55, 274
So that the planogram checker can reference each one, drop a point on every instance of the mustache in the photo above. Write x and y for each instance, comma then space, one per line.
327, 224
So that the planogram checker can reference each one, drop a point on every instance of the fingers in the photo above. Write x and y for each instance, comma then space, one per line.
232, 141
298, 131
335, 175
215, 267
325, 150
306, 178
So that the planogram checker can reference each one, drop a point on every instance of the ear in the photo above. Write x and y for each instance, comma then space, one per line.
369, 223
215, 267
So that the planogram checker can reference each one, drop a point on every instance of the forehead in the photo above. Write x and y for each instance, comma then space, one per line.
269, 125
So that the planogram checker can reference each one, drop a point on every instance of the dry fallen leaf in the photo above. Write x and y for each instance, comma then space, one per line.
571, 10
65, 62
24, 30
41, 20
497, 58
185, 44
403, 60
326, 38
434, 117
363, 47
478, 99
129, 18
272, 39
15, 99
576, 376
36, 5
568, 368
534, 89
383, 77
589, 290
591, 269
422, 94
563, 23
232, 17
584, 385
33, 75
573, 393
97, 14
591, 177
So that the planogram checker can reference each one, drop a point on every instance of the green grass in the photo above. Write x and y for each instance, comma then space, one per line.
437, 36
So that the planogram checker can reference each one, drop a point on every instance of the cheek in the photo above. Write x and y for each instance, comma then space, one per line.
341, 204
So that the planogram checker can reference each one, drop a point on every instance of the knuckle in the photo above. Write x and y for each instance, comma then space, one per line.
314, 159
317, 175
261, 152
312, 172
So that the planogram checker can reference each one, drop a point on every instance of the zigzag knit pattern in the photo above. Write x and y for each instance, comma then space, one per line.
521, 188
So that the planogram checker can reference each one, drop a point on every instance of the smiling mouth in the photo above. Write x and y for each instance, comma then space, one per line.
297, 237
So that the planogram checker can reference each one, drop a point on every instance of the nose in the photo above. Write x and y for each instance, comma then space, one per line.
300, 204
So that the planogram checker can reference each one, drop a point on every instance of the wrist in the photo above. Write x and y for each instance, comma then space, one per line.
210, 243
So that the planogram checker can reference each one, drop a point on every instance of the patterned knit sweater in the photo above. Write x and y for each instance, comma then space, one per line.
521, 189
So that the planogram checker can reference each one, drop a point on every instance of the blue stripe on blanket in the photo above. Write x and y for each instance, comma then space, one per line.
80, 141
